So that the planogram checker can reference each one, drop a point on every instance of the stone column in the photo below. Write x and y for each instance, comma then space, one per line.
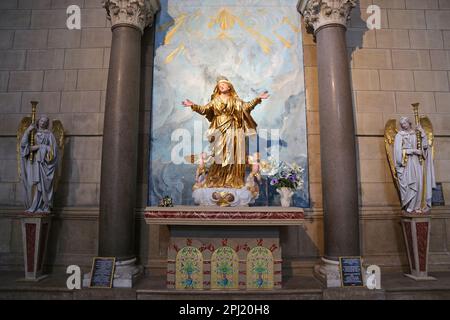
120, 135
328, 19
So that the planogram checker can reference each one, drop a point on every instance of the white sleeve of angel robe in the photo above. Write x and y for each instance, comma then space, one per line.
407, 173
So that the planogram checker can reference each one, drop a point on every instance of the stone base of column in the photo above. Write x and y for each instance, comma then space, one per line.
328, 273
126, 274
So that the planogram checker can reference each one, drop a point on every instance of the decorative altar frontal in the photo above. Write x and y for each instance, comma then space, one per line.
224, 248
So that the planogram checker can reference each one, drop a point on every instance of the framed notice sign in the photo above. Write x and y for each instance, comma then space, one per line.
351, 271
438, 195
102, 272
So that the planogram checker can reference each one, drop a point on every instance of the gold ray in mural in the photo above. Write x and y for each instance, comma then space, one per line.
179, 21
225, 20
179, 50
264, 42
293, 27
224, 36
165, 26
283, 40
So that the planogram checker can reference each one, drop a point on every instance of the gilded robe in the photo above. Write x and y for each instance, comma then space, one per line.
230, 122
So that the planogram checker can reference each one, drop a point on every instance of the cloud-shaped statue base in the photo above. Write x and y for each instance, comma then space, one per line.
224, 197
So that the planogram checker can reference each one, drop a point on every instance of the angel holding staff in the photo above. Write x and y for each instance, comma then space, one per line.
412, 162
39, 153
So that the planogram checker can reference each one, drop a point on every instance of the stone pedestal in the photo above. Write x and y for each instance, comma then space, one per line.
328, 273
35, 231
416, 232
232, 248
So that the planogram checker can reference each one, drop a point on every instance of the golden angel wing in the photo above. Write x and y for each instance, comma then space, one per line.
390, 131
58, 132
428, 127
425, 122
23, 125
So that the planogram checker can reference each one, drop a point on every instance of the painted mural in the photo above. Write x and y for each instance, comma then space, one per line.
257, 46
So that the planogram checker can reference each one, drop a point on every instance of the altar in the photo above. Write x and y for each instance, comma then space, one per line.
224, 248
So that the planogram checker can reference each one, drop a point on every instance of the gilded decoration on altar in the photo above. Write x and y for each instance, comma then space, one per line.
189, 269
224, 269
221, 263
260, 269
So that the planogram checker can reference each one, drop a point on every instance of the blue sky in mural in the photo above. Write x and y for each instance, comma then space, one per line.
257, 46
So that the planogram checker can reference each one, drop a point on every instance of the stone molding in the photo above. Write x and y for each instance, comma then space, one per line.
319, 13
216, 215
137, 13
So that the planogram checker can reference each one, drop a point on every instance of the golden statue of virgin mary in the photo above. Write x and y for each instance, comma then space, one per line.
230, 122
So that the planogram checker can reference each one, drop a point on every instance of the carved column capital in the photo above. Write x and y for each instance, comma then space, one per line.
318, 13
138, 13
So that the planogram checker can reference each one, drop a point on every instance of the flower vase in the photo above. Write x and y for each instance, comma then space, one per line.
285, 196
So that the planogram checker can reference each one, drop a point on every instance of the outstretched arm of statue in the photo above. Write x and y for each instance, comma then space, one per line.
203, 110
249, 106
188, 103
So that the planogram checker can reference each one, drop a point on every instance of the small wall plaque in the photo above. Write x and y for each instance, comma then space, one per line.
438, 195
351, 271
102, 272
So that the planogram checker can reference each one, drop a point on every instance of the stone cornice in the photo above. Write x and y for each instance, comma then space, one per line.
319, 13
138, 13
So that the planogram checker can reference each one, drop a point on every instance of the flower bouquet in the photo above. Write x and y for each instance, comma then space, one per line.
286, 178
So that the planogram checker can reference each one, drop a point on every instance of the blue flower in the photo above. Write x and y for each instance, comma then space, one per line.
274, 182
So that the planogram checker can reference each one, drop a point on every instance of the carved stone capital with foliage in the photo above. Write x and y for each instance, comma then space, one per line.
318, 13
138, 13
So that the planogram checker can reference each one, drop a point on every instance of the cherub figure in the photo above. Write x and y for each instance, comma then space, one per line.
201, 172
254, 176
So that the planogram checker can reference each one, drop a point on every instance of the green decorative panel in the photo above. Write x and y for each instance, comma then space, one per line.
260, 269
224, 269
189, 269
